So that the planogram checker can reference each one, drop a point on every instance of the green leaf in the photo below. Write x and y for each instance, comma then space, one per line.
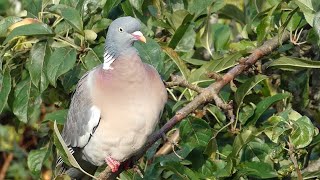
101, 25
245, 89
65, 149
5, 88
241, 140
29, 30
180, 170
221, 36
60, 62
71, 15
217, 65
195, 131
187, 41
217, 113
277, 127
37, 64
60, 116
260, 170
263, 29
91, 60
303, 131
234, 13
197, 7
21, 100
293, 62
33, 7
36, 159
181, 30
152, 54
5, 23
246, 112
109, 6
137, 4
178, 61
309, 8
263, 105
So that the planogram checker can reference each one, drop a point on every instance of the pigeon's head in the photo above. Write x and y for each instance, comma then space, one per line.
123, 32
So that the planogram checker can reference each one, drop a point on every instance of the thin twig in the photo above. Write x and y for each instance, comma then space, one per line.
168, 146
211, 92
294, 161
180, 81
6, 165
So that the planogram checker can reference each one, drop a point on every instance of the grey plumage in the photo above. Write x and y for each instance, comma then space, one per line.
116, 105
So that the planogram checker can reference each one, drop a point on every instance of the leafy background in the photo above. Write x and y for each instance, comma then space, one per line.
46, 46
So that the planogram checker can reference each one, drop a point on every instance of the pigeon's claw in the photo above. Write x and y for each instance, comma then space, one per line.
112, 163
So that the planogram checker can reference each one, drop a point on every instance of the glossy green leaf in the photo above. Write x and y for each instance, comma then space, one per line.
71, 78
109, 6
241, 140
211, 149
180, 170
33, 7
263, 29
21, 100
60, 62
276, 129
246, 112
152, 54
243, 45
60, 116
101, 25
29, 30
5, 23
245, 89
92, 60
36, 159
263, 105
197, 7
71, 15
137, 4
221, 36
178, 61
5, 88
233, 12
309, 8
215, 66
37, 64
195, 131
260, 170
293, 62
217, 113
303, 131
181, 31
187, 41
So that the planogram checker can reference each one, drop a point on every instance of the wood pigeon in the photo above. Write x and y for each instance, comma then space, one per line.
116, 105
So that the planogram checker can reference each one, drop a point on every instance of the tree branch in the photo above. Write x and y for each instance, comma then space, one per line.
210, 93
6, 165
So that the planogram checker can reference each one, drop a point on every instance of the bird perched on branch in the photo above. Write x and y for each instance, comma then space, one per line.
116, 105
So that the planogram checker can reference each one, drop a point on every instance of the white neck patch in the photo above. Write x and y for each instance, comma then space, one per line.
107, 61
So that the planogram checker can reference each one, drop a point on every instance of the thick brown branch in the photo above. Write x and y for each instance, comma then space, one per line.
211, 93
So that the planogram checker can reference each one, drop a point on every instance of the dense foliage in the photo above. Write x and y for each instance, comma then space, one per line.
46, 46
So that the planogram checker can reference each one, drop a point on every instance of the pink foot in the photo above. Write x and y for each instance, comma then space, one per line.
113, 164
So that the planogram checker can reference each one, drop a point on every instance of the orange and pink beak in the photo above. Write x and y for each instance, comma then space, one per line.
139, 36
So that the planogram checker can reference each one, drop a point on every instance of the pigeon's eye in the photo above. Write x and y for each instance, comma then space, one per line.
120, 29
